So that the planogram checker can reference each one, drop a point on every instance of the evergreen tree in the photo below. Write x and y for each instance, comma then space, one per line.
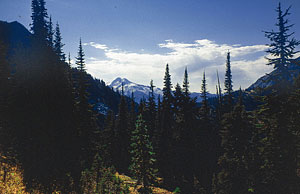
85, 113
45, 128
69, 60
206, 141
58, 44
279, 156
39, 16
157, 130
132, 116
282, 46
50, 33
228, 84
204, 102
6, 140
142, 166
219, 106
165, 137
107, 143
151, 111
123, 135
167, 89
186, 83
183, 140
236, 136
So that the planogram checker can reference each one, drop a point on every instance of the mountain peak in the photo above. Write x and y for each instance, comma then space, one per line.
118, 82
139, 91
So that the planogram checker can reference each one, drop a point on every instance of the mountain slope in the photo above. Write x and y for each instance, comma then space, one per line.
15, 36
278, 78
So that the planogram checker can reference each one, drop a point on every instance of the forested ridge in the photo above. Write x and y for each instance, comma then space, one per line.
55, 138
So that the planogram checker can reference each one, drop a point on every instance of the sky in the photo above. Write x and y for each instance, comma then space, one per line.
135, 39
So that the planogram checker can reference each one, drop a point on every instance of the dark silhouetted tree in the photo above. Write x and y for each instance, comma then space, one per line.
165, 137
282, 46
58, 44
50, 33
123, 135
228, 85
151, 111
236, 135
39, 16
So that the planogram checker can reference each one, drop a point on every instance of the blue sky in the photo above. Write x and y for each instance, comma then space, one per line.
136, 38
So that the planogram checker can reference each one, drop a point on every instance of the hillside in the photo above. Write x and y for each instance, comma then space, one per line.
277, 78
16, 37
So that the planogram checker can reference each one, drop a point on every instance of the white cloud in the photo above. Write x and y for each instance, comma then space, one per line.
248, 63
96, 45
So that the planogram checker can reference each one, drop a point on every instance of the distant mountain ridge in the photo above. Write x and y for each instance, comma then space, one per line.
141, 91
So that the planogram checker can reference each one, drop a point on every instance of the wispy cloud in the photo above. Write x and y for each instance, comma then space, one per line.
248, 63
96, 45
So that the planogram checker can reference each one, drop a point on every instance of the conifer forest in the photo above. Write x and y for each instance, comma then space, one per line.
54, 139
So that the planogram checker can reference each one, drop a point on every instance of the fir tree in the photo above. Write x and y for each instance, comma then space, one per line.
142, 166
107, 143
50, 33
186, 83
151, 111
183, 140
228, 84
167, 89
279, 155
123, 135
69, 60
84, 110
166, 129
39, 16
132, 116
219, 106
236, 136
282, 46
204, 102
58, 44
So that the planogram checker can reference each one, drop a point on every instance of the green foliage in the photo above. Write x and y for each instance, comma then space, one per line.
101, 180
122, 137
142, 166
236, 135
177, 190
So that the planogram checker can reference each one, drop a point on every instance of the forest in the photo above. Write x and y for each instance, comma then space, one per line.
54, 140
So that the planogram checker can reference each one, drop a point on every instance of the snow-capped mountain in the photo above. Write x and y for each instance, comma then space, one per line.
141, 91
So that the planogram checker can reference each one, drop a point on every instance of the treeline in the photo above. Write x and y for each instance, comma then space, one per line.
51, 129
